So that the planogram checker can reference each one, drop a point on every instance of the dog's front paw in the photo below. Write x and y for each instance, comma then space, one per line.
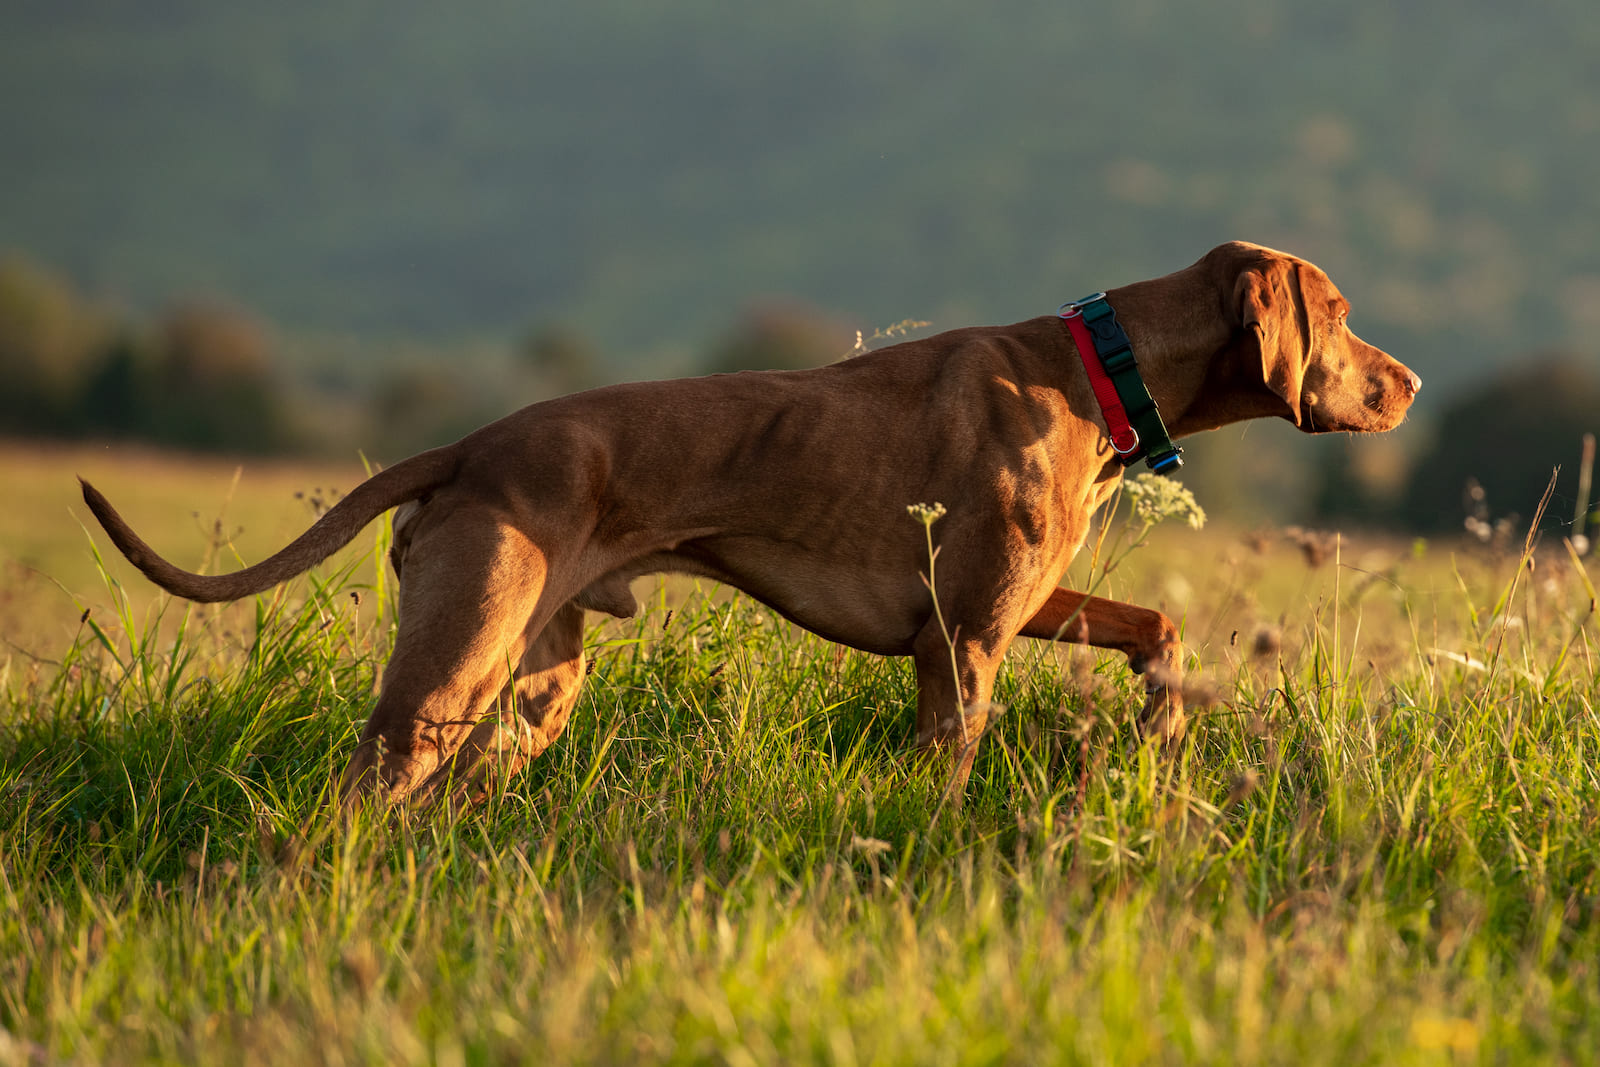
1162, 720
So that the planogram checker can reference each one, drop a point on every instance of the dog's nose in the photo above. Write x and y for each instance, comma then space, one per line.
1413, 383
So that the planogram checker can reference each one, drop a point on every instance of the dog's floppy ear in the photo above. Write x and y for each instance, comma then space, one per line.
1272, 309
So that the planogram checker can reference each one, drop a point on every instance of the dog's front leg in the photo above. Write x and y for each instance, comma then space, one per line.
1148, 638
955, 679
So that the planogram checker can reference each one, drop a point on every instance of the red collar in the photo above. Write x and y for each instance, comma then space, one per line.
1132, 421
1124, 439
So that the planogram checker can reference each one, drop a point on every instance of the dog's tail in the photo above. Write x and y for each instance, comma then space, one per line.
404, 481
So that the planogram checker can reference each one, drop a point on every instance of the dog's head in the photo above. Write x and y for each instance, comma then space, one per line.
1294, 320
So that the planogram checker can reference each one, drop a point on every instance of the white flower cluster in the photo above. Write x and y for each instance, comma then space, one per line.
1155, 498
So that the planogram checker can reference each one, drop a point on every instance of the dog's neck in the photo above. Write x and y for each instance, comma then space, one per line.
1201, 375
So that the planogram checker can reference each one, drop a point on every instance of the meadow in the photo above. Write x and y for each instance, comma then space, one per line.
1377, 844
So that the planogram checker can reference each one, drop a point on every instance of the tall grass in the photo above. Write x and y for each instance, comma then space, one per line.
1378, 844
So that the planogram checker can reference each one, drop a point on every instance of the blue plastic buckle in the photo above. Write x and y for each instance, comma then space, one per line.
1171, 461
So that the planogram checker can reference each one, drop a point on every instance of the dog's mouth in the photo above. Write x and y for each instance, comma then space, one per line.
1379, 414
1315, 420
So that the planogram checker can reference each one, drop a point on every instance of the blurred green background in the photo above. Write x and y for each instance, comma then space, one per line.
316, 228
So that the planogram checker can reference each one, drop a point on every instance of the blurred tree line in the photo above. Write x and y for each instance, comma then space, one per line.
209, 377
199, 377
1486, 459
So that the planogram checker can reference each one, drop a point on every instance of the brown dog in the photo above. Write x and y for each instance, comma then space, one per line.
793, 486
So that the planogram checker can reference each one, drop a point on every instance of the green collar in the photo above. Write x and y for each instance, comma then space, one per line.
1131, 417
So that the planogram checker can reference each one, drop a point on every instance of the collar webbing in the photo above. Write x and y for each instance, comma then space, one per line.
1134, 424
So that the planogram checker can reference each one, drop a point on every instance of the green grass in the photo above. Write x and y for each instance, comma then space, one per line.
1366, 851
204, 512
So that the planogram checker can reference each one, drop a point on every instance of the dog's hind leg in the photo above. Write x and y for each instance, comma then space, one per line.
529, 715
473, 595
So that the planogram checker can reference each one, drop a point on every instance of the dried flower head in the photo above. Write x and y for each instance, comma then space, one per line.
1267, 643
1315, 545
927, 514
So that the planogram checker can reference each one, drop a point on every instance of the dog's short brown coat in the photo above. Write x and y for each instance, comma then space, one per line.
793, 486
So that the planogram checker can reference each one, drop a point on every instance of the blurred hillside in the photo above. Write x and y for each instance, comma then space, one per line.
444, 211
640, 172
